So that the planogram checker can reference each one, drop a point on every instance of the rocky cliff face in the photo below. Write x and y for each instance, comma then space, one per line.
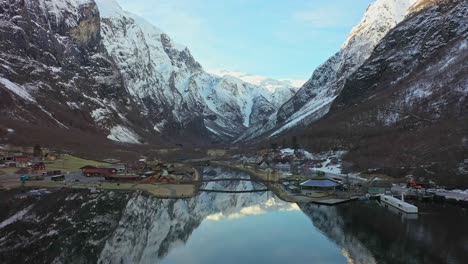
97, 69
170, 84
421, 62
406, 105
314, 98
312, 101
54, 71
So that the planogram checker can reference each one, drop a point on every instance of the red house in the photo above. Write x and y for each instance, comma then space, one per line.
39, 166
89, 171
22, 159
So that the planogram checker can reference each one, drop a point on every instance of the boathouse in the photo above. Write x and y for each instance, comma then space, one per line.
319, 187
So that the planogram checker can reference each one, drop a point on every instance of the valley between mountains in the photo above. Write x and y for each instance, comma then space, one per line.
88, 77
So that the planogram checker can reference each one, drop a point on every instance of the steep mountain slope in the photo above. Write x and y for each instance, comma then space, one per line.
98, 71
172, 87
54, 72
314, 98
406, 106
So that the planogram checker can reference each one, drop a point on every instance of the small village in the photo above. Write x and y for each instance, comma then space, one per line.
294, 175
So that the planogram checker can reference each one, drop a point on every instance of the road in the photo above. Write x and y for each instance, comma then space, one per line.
69, 177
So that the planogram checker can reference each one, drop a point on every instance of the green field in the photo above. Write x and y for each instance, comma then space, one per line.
68, 162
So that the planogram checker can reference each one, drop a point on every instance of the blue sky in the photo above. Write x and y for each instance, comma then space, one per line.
284, 39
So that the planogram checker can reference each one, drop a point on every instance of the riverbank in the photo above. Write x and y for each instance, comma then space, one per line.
273, 182
157, 190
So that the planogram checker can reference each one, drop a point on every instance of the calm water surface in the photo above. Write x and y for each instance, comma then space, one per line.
112, 227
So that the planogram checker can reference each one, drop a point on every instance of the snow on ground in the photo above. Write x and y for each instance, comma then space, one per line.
100, 114
326, 166
15, 217
287, 151
16, 89
212, 130
458, 195
52, 117
160, 126
23, 93
122, 134
73, 105
306, 111
57, 7
329, 168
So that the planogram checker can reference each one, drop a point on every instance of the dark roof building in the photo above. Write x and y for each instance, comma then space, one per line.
320, 183
319, 187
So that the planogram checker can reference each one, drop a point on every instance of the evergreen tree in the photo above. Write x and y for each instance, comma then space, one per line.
37, 152
274, 146
294, 144
283, 145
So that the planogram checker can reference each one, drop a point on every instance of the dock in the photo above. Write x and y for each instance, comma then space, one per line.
334, 201
399, 204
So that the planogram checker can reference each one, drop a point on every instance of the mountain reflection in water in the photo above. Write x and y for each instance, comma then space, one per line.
113, 227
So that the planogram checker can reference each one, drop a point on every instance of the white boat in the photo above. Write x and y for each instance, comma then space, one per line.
399, 204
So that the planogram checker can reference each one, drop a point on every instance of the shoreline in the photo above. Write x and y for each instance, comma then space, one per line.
164, 191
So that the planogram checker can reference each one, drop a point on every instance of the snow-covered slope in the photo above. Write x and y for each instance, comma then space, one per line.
409, 93
89, 66
419, 67
276, 91
313, 100
56, 75
170, 84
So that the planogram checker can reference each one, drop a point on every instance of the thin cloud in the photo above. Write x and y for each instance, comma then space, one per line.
172, 17
324, 17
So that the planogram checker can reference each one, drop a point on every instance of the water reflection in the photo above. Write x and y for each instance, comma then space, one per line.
370, 233
150, 228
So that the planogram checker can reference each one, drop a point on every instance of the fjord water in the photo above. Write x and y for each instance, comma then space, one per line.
257, 236
75, 226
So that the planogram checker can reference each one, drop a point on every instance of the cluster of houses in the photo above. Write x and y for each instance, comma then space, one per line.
20, 160
23, 159
289, 160
153, 171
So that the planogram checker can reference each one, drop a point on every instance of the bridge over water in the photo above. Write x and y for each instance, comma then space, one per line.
240, 179
225, 191
253, 179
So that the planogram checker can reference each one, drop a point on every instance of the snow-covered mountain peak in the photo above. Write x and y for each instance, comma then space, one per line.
109, 8
313, 100
269, 84
379, 15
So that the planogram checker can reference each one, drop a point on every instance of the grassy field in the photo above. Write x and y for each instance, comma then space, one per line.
68, 162
6, 171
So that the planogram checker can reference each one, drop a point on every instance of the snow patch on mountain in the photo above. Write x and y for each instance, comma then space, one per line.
171, 85
270, 84
16, 89
55, 8
277, 91
123, 134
